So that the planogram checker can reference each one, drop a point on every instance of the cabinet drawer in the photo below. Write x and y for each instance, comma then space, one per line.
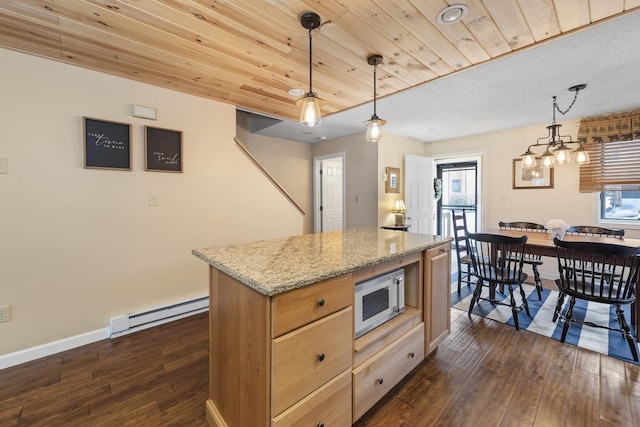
330, 405
374, 378
304, 305
308, 357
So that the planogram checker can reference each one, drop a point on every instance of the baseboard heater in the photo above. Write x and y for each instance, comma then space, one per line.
132, 322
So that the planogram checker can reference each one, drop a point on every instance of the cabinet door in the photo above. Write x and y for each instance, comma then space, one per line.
437, 296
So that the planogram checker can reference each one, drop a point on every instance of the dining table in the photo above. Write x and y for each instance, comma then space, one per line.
541, 243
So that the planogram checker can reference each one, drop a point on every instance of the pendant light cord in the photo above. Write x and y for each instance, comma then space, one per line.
310, 62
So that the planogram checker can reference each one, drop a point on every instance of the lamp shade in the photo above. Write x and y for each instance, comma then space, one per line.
310, 110
581, 156
399, 206
562, 155
374, 129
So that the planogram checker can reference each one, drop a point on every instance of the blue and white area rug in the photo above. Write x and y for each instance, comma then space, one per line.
599, 340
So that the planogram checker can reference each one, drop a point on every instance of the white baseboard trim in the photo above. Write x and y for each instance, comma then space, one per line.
33, 353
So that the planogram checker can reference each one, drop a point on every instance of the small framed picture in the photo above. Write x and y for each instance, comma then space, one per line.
392, 182
537, 177
107, 145
162, 150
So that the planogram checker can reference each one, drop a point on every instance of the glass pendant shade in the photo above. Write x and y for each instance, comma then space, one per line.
310, 110
529, 160
374, 130
546, 160
562, 155
581, 156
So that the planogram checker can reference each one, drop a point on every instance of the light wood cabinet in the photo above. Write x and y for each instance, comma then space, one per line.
374, 378
437, 296
330, 405
308, 357
292, 359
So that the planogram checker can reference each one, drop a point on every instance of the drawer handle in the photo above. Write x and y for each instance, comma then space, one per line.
380, 380
321, 357
320, 425
321, 302
412, 354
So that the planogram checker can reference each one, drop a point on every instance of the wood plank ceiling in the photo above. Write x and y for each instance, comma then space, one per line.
249, 53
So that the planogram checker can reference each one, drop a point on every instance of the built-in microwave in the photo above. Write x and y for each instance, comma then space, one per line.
378, 300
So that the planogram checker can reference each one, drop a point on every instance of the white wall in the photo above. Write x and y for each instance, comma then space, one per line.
361, 176
288, 162
391, 151
78, 246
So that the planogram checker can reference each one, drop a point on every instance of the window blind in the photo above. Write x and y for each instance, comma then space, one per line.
613, 143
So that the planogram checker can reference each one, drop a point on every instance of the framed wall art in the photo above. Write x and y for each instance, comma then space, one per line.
392, 181
537, 177
162, 150
107, 145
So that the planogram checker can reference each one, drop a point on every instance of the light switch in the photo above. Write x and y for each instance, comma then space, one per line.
3, 165
153, 200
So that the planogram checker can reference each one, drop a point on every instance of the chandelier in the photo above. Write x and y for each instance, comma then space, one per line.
556, 150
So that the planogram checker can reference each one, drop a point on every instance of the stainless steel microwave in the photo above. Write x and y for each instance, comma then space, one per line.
378, 300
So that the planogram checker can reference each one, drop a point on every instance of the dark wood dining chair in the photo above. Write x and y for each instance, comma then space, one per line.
590, 230
492, 268
530, 259
459, 224
609, 275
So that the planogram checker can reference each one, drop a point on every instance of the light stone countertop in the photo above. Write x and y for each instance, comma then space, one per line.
279, 265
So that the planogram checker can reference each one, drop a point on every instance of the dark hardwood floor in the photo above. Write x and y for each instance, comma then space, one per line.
484, 374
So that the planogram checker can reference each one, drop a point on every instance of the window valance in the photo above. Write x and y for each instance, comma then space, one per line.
613, 143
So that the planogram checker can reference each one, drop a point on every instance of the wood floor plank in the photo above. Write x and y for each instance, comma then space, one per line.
484, 374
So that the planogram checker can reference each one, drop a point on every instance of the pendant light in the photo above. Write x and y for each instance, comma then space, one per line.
310, 104
375, 123
556, 151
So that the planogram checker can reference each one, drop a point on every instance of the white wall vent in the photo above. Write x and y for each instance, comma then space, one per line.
132, 322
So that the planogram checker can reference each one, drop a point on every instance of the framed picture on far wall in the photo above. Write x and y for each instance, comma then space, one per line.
107, 145
163, 150
392, 180
537, 177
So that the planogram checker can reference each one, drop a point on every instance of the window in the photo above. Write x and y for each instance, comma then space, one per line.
620, 205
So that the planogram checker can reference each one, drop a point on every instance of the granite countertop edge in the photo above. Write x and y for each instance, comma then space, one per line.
329, 273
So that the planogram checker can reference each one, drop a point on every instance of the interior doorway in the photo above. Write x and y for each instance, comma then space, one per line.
460, 184
329, 192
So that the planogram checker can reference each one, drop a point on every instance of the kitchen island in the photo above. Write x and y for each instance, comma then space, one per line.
282, 345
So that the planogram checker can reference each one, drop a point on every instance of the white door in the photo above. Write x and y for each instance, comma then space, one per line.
329, 193
332, 207
419, 172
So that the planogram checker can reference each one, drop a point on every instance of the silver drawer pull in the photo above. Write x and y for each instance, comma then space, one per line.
380, 380
412, 354
320, 425
321, 357
321, 302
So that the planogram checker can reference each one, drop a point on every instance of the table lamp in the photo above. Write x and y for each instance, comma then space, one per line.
399, 209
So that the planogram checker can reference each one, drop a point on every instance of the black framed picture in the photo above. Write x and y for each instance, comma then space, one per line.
107, 145
163, 150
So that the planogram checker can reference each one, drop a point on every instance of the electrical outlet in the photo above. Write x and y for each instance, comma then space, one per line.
5, 313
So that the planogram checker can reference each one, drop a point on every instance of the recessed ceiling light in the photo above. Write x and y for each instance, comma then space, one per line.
452, 14
296, 92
